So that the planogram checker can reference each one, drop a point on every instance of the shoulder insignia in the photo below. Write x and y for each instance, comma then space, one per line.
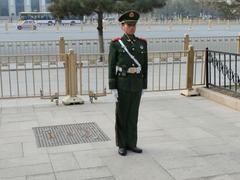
142, 39
116, 39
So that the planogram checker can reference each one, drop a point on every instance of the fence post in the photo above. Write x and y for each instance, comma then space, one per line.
72, 80
63, 57
190, 67
66, 67
62, 47
72, 73
186, 42
238, 44
190, 71
206, 68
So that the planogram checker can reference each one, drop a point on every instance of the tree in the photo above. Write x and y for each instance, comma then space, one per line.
227, 10
183, 9
63, 8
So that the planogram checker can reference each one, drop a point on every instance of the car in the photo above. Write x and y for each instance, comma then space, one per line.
109, 20
27, 24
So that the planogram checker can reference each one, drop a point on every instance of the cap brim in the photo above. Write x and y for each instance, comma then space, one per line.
129, 21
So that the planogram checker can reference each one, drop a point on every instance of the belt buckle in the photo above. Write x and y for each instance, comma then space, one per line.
132, 70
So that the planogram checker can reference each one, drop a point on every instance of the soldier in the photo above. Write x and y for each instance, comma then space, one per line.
128, 64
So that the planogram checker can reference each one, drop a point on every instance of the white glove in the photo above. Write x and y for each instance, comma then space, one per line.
115, 95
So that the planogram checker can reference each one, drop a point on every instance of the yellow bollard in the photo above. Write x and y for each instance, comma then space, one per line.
190, 28
33, 28
104, 27
186, 42
148, 26
81, 27
57, 27
209, 25
6, 26
169, 26
228, 25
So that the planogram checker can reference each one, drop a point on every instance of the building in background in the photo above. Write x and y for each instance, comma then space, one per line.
13, 7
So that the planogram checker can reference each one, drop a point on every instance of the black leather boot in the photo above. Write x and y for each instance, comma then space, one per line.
122, 151
135, 149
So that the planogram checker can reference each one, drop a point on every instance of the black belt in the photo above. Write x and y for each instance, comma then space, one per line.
125, 74
123, 71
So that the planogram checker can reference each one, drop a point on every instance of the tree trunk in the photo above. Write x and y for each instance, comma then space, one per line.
100, 32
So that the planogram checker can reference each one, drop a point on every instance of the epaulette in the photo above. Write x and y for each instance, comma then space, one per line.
142, 39
116, 39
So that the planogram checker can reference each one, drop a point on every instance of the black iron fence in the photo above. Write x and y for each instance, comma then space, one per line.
223, 70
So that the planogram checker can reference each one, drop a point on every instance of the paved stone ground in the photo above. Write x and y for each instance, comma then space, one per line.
182, 138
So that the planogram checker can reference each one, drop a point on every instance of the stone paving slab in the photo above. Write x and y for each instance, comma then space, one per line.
14, 178
182, 139
49, 176
12, 150
88, 173
26, 170
63, 162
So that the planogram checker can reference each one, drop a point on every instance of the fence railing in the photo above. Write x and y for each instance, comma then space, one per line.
223, 43
223, 70
31, 75
45, 75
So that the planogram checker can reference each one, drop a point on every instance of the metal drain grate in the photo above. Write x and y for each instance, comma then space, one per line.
69, 134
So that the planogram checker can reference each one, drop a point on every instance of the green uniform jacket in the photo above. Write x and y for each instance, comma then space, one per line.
118, 57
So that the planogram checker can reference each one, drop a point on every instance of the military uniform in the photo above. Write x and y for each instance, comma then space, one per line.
129, 79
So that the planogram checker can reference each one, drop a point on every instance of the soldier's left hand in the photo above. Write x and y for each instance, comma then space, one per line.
115, 95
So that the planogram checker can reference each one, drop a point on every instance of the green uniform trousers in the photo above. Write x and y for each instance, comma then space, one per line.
126, 118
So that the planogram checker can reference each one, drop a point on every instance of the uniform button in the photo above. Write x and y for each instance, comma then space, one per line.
133, 65
133, 49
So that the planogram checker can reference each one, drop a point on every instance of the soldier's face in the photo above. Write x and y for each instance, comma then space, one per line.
129, 28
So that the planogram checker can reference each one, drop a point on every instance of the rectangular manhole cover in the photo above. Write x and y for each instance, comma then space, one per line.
69, 134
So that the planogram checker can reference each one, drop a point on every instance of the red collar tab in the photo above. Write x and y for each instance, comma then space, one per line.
116, 39
141, 38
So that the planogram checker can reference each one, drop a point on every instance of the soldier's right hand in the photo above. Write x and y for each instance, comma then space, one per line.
115, 95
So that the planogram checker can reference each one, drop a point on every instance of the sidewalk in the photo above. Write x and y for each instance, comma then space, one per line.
182, 138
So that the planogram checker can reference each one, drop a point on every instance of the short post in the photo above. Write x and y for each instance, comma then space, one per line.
81, 26
190, 71
228, 24
186, 42
190, 28
209, 25
72, 80
238, 44
170, 26
57, 26
105, 26
33, 27
6, 26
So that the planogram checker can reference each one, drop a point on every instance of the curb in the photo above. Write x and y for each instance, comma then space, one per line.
220, 98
